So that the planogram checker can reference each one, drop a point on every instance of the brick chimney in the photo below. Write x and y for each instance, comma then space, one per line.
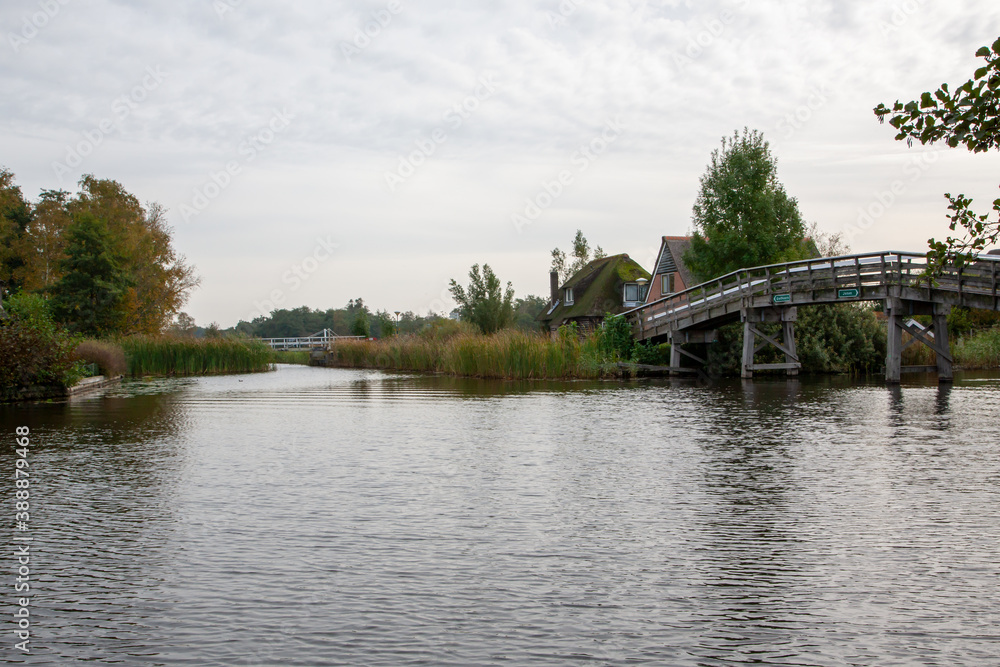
553, 287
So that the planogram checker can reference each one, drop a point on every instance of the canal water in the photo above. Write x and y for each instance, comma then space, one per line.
336, 517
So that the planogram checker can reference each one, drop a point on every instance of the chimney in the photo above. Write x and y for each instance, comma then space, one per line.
553, 287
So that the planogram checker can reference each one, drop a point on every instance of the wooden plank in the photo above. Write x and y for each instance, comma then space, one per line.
788, 366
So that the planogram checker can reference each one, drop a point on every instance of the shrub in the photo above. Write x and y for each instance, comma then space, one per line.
34, 351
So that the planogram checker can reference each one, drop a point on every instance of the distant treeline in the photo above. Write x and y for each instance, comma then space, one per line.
357, 319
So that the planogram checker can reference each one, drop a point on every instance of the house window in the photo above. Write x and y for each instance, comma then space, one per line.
569, 296
633, 292
667, 283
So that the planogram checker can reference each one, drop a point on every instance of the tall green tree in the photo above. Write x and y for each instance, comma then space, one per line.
91, 296
967, 116
743, 217
580, 257
483, 302
361, 326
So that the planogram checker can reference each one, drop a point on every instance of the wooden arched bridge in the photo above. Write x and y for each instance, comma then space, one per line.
773, 294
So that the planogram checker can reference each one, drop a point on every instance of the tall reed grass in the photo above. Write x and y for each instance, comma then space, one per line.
979, 351
107, 355
509, 354
290, 357
167, 355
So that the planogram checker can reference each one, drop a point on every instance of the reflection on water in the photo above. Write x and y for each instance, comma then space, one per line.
336, 517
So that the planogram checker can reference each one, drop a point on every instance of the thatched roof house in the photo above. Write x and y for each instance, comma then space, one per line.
607, 285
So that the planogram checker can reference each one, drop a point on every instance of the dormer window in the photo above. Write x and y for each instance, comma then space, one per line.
635, 292
568, 294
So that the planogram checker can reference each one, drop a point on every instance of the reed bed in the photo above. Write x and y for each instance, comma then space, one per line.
166, 355
290, 357
508, 355
109, 356
979, 351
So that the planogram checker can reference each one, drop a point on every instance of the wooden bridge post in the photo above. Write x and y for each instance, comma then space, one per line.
749, 343
788, 338
944, 365
675, 355
894, 341
786, 315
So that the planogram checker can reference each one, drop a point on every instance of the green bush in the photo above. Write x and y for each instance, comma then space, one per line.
34, 351
614, 338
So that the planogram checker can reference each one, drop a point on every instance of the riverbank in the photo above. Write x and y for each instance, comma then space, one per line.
507, 355
515, 355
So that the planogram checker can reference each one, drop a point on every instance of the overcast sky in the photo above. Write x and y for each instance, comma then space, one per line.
312, 152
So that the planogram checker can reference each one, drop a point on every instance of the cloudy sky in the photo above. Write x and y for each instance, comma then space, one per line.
312, 152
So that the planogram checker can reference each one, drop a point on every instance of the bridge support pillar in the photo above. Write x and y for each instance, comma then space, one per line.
752, 317
944, 362
702, 338
897, 312
894, 341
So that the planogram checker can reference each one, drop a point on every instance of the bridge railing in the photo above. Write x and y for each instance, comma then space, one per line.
860, 271
317, 340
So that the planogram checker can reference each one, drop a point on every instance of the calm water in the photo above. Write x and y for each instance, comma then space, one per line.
333, 517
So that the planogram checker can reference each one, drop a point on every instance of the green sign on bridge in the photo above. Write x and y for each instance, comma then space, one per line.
850, 293
781, 298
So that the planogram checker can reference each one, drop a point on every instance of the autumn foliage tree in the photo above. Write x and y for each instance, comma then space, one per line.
160, 280
35, 241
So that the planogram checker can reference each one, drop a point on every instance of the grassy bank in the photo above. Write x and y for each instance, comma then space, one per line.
165, 355
509, 355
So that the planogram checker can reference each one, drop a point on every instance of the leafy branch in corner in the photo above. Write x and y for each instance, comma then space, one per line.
968, 116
